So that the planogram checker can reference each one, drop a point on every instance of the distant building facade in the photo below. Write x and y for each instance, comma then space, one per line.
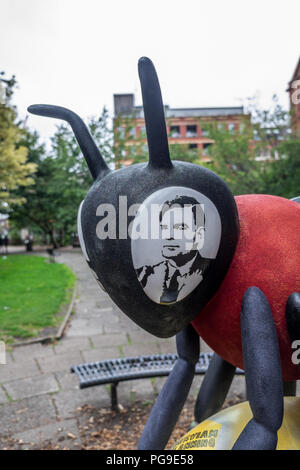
184, 125
294, 92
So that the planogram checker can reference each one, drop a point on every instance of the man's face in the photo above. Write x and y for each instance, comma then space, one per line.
179, 232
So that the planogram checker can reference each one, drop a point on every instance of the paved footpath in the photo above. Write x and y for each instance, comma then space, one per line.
39, 396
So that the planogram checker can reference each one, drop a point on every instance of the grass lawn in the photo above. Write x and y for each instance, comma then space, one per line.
32, 290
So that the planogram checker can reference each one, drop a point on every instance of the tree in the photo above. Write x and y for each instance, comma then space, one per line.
182, 152
61, 181
283, 175
15, 170
233, 158
127, 146
102, 133
236, 155
37, 210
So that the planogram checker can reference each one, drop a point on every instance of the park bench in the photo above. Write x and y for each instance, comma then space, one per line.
113, 371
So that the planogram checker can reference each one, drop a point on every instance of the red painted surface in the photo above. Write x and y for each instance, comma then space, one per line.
268, 257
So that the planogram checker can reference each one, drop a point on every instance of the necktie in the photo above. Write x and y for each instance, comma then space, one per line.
170, 293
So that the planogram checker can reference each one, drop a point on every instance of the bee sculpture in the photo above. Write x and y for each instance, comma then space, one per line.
181, 256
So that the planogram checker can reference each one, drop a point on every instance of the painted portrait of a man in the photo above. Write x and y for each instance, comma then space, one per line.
178, 264
182, 224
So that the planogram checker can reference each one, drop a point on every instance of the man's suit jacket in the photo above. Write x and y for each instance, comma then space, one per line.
165, 283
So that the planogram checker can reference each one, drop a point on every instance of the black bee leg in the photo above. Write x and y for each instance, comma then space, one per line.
263, 373
171, 399
214, 388
292, 315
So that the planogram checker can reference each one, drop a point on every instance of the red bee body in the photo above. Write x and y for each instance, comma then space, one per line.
267, 256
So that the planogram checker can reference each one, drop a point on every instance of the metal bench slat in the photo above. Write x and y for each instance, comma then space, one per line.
121, 369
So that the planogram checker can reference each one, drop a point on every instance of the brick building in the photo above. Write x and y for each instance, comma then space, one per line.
184, 125
294, 92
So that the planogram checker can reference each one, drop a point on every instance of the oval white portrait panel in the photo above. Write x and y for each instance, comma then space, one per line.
174, 236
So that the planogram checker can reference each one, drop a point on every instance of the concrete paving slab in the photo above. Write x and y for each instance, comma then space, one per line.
84, 327
23, 353
26, 414
3, 397
59, 362
108, 340
142, 390
67, 402
142, 337
131, 391
18, 370
61, 435
100, 354
31, 386
66, 345
67, 380
112, 328
103, 316
103, 303
167, 347
140, 349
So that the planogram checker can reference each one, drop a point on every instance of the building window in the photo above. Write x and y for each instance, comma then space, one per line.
205, 132
174, 132
231, 126
191, 131
193, 146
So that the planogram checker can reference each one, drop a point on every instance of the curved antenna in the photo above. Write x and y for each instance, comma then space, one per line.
94, 159
159, 156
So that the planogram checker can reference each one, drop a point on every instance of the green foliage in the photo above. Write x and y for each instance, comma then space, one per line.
15, 171
269, 125
39, 209
61, 181
103, 135
235, 155
32, 293
183, 153
233, 158
283, 175
127, 145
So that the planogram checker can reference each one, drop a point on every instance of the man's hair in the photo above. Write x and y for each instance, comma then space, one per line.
185, 201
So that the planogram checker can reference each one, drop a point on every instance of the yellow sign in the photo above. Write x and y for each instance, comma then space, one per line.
201, 437
221, 431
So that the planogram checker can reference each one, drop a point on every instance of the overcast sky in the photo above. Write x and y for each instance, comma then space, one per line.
77, 53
